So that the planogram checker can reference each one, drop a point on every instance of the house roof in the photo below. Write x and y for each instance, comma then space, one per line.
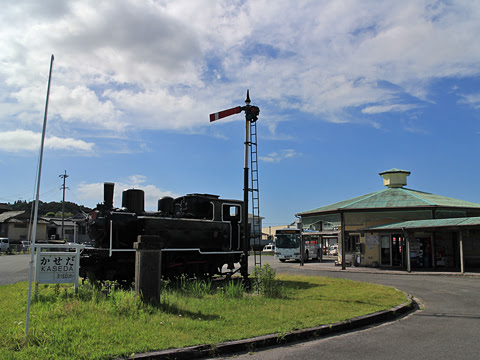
391, 198
58, 222
17, 217
7, 215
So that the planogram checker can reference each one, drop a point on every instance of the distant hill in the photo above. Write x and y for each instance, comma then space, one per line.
51, 208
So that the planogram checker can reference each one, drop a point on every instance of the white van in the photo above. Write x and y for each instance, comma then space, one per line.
333, 250
269, 247
4, 244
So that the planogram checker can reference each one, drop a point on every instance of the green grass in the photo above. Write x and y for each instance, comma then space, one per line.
262, 253
99, 325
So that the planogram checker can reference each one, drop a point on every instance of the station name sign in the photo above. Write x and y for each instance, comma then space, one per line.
57, 268
57, 264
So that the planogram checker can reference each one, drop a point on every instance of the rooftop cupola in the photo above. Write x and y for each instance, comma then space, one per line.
395, 178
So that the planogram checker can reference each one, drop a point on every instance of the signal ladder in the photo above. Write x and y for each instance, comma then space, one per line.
256, 231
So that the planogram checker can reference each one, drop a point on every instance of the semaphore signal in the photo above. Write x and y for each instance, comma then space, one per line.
251, 116
251, 112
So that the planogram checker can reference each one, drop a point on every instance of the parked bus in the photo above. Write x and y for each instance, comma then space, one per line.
288, 245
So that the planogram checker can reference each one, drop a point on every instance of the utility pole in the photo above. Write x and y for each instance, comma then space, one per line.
64, 176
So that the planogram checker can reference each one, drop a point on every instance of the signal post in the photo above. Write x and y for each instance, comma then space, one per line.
251, 115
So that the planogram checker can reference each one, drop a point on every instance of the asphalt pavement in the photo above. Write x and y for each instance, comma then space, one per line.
14, 268
448, 326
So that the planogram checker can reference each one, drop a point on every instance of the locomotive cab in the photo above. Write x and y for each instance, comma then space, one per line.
196, 206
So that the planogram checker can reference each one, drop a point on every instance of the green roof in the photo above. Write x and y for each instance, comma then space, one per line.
391, 198
429, 223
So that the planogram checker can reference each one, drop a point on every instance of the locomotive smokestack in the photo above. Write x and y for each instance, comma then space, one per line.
108, 188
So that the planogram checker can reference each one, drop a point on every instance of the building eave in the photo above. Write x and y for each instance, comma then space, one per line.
384, 209
427, 225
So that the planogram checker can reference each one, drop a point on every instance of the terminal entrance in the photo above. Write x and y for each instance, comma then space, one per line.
391, 250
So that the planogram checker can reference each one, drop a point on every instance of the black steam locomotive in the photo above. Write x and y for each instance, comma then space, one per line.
200, 233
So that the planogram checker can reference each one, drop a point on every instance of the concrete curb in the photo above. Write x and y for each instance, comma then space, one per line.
259, 342
329, 266
381, 271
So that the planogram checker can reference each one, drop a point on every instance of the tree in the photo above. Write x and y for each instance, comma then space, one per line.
51, 209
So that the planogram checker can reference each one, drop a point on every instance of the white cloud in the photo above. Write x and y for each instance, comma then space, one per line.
92, 193
136, 180
25, 140
57, 143
157, 109
276, 157
388, 108
472, 100
126, 66
79, 106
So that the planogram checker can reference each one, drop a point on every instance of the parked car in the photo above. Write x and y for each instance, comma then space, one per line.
25, 246
269, 247
4, 244
333, 250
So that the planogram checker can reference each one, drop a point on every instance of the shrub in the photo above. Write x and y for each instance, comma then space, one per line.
264, 282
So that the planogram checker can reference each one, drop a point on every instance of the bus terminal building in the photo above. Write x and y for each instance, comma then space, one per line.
402, 228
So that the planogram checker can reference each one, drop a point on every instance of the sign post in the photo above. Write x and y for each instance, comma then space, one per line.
35, 216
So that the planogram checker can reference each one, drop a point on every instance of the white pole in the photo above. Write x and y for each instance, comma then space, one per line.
460, 239
111, 239
35, 218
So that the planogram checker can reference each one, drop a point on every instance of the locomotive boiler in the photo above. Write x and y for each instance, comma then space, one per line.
202, 235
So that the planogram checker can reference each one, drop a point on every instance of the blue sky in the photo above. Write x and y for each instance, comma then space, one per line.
346, 89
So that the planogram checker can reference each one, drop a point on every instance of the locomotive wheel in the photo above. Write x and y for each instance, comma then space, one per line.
175, 268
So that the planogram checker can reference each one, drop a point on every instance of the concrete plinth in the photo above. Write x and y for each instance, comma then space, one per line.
148, 267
